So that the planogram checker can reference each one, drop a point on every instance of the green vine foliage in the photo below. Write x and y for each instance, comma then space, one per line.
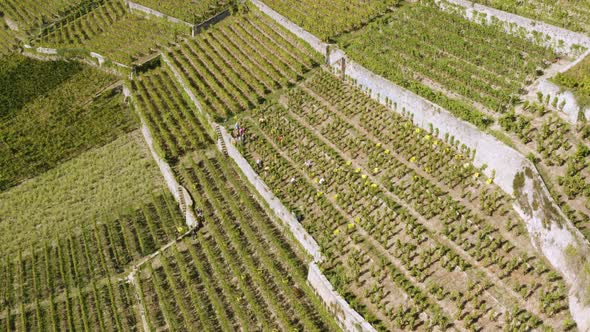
448, 60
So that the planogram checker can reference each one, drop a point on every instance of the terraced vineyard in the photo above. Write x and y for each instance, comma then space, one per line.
194, 12
99, 182
177, 125
7, 38
400, 212
40, 131
81, 27
572, 15
397, 217
328, 19
449, 60
235, 65
77, 281
99, 31
29, 14
239, 272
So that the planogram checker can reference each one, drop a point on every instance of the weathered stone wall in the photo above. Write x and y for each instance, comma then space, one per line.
312, 40
551, 233
348, 318
560, 39
150, 11
307, 241
169, 177
567, 97
571, 106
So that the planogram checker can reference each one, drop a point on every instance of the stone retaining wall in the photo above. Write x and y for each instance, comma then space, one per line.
571, 106
150, 11
550, 231
562, 40
307, 241
175, 188
348, 318
312, 40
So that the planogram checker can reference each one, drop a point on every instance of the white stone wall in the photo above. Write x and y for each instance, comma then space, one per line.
312, 40
307, 241
551, 234
150, 11
571, 106
45, 50
348, 318
555, 34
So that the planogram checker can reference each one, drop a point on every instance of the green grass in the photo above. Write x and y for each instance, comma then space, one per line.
64, 121
97, 183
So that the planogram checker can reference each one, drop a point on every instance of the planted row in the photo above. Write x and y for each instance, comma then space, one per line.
105, 248
238, 272
177, 126
233, 66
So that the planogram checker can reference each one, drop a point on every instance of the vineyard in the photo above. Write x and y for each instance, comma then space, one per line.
95, 183
400, 212
177, 125
344, 16
559, 148
235, 65
571, 15
449, 60
193, 12
77, 281
99, 31
43, 125
238, 272
577, 79
31, 14
194, 179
